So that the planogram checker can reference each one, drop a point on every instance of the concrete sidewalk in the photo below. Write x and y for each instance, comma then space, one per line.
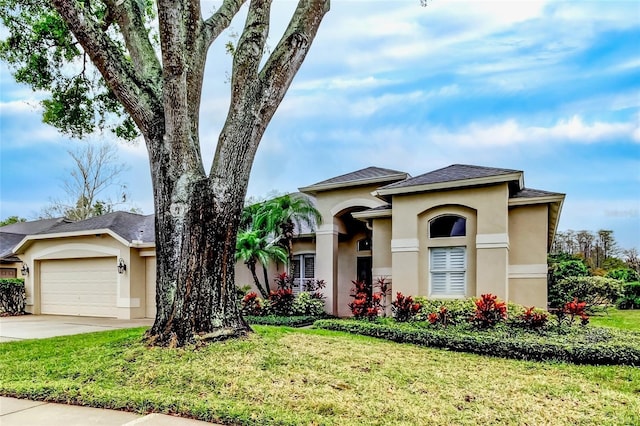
21, 412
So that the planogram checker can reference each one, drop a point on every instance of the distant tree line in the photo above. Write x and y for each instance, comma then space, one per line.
598, 250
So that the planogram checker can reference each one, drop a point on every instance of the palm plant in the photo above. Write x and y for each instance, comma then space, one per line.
281, 215
253, 247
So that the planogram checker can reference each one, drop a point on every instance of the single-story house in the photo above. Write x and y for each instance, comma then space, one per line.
455, 232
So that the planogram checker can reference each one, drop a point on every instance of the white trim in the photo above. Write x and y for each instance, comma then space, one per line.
84, 233
489, 241
147, 253
461, 183
356, 202
546, 199
328, 229
93, 250
533, 270
399, 245
372, 214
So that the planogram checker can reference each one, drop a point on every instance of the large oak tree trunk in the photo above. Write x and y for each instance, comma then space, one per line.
197, 214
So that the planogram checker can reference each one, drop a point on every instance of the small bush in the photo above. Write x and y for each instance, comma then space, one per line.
532, 319
458, 310
251, 304
594, 291
287, 321
489, 311
281, 302
306, 304
630, 296
626, 275
13, 298
365, 304
440, 318
404, 308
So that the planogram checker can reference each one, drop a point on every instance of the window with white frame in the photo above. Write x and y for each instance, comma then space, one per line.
448, 271
304, 270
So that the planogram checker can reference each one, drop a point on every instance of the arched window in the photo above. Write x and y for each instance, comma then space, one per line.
448, 226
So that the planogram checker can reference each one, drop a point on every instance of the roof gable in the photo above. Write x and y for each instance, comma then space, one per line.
369, 175
455, 176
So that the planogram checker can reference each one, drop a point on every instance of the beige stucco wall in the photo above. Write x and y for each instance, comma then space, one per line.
486, 241
528, 227
130, 285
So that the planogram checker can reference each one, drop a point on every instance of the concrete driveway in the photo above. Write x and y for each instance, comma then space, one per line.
43, 326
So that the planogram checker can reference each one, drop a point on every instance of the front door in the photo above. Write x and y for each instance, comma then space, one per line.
364, 266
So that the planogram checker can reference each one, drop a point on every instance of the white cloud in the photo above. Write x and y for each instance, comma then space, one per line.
511, 132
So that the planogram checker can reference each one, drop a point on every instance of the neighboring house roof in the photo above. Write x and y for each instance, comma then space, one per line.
7, 242
123, 226
11, 235
456, 175
367, 176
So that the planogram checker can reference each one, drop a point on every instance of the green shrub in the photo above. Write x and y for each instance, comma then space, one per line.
559, 271
630, 296
287, 321
458, 310
13, 298
594, 291
307, 304
582, 346
626, 275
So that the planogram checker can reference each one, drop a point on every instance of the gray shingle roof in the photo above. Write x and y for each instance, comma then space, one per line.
452, 173
7, 242
360, 175
11, 235
125, 224
533, 193
34, 226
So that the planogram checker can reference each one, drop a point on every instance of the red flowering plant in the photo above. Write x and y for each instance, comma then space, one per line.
251, 304
439, 318
281, 300
404, 308
383, 284
532, 319
575, 310
365, 304
489, 311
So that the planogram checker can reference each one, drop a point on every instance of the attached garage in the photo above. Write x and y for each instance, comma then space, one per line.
84, 287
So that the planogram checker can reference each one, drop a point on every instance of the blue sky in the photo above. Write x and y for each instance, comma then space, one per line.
548, 87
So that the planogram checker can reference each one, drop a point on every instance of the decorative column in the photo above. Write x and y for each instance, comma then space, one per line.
327, 264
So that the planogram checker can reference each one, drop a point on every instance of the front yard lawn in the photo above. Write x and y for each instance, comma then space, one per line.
287, 376
621, 319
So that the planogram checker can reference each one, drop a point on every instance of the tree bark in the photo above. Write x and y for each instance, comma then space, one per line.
196, 215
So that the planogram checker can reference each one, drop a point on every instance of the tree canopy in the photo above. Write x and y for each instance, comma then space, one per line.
138, 68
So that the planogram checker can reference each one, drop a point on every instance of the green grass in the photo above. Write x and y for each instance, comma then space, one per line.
287, 376
624, 320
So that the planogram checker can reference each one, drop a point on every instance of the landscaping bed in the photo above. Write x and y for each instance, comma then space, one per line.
580, 345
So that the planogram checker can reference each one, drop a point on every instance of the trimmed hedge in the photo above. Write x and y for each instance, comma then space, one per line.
294, 321
595, 346
13, 298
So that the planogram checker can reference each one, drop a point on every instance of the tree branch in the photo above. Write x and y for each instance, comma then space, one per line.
219, 21
129, 15
250, 49
287, 57
139, 96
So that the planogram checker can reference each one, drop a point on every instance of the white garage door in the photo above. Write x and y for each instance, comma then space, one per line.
85, 287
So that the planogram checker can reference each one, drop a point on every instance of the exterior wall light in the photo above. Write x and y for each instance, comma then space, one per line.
122, 267
24, 270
